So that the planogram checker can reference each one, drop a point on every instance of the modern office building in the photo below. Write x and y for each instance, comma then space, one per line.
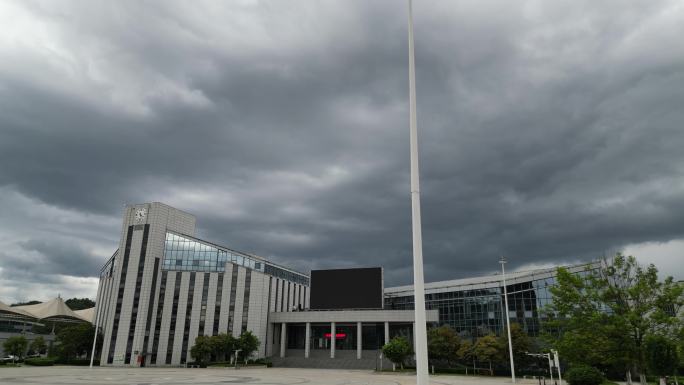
163, 287
473, 306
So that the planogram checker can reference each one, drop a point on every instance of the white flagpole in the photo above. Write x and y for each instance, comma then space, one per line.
508, 319
418, 284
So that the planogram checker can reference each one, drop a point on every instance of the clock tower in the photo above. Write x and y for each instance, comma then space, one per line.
136, 270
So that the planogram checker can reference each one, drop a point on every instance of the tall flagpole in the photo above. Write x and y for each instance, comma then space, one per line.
418, 285
502, 261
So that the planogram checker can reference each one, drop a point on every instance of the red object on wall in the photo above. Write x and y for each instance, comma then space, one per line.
337, 335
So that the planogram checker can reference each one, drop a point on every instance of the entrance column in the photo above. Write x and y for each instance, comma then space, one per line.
283, 330
332, 340
414, 335
308, 338
358, 340
386, 332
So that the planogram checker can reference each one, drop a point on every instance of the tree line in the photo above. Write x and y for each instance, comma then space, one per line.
446, 349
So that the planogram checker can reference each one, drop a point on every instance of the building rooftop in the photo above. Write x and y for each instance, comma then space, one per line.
487, 281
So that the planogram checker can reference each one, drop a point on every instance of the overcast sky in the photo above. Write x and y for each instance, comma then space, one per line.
550, 132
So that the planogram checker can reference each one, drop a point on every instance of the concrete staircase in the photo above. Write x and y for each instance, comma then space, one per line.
322, 361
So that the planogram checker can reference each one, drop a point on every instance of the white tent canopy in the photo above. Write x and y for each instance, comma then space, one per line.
14, 311
87, 314
54, 309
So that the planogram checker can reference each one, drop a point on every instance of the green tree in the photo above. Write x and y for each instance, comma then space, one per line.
680, 348
522, 344
38, 345
661, 355
443, 344
248, 343
397, 350
15, 345
466, 353
202, 349
76, 340
488, 348
223, 345
605, 315
79, 303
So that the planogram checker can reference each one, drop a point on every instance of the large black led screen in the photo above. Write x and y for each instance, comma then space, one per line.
346, 289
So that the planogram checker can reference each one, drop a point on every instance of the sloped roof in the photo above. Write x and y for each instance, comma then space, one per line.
14, 311
54, 308
489, 281
87, 314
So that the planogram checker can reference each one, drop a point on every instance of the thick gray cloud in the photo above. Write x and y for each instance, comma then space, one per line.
550, 132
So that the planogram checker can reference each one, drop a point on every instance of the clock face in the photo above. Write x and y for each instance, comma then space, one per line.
140, 214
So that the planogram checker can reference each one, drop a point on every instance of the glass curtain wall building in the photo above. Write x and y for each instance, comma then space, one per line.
473, 306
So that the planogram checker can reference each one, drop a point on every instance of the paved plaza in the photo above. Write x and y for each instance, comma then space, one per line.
172, 376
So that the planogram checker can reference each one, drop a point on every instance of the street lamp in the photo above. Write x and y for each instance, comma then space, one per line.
98, 299
502, 261
556, 360
418, 284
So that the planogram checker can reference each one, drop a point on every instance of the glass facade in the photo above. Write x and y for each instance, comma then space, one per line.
184, 253
478, 312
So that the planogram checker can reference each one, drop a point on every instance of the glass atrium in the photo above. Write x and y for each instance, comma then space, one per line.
185, 253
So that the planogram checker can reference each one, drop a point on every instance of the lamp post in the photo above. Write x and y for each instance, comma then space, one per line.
98, 299
556, 360
502, 261
418, 284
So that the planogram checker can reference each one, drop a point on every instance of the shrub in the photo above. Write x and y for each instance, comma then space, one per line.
77, 361
584, 375
39, 361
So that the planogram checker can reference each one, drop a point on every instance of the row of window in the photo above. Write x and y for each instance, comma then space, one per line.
478, 312
182, 253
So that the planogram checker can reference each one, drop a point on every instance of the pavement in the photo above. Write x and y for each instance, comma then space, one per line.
58, 375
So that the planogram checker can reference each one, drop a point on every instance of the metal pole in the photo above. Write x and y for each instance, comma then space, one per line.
548, 356
98, 300
508, 320
556, 360
418, 284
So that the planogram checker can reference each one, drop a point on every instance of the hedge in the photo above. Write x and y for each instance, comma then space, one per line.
77, 362
39, 361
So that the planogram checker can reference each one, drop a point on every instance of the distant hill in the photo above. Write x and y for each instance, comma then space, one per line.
26, 303
73, 303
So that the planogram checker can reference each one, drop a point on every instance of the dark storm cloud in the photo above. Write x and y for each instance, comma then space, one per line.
549, 133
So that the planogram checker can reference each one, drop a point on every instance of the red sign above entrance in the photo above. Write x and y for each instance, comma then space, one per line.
337, 335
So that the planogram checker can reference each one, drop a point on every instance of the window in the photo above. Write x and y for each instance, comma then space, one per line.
183, 253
